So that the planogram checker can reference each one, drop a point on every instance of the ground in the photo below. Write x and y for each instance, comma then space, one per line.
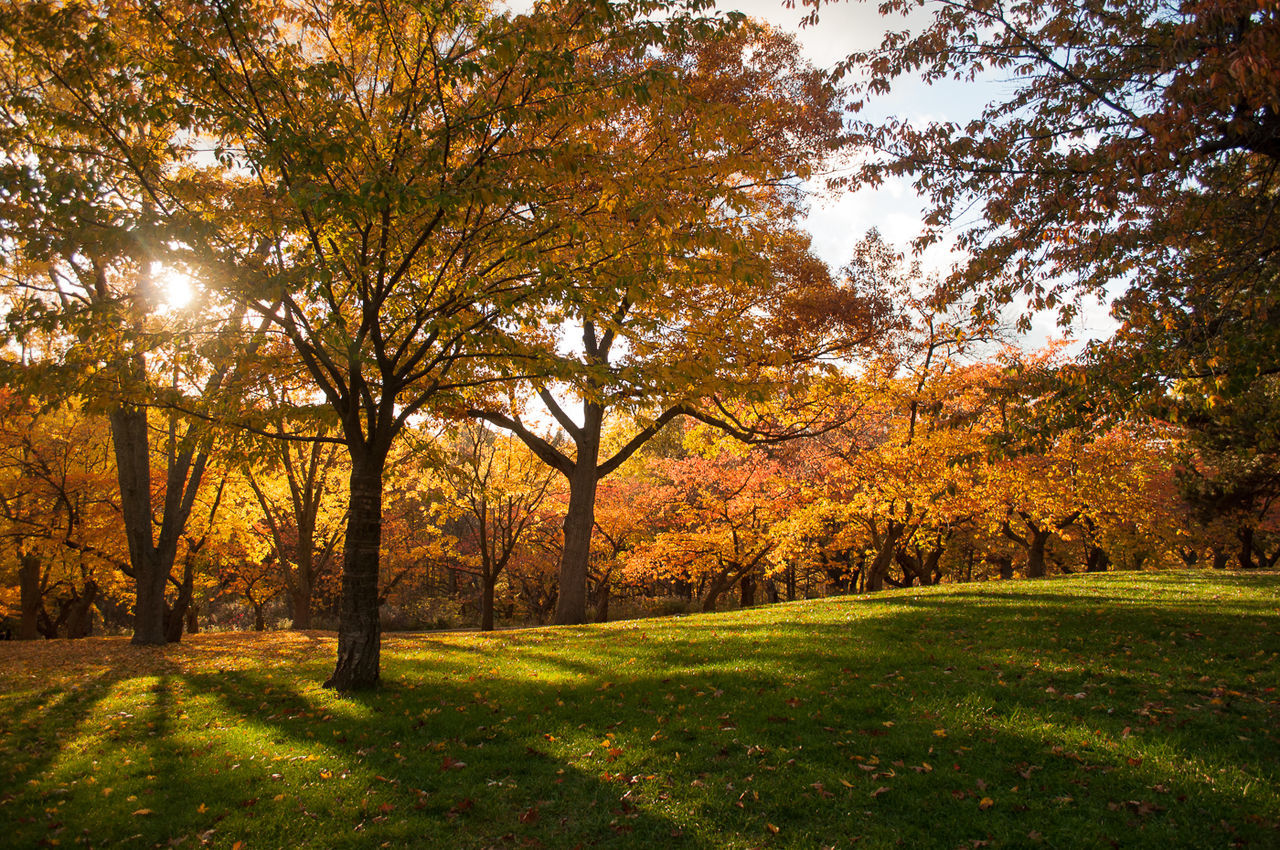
1128, 709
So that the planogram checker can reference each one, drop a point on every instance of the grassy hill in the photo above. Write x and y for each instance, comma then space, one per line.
1129, 710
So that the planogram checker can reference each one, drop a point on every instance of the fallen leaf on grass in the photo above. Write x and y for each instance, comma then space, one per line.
141, 812
986, 803
881, 790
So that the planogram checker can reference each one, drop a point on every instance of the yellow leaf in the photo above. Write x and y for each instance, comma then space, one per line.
772, 828
142, 812
846, 783
986, 803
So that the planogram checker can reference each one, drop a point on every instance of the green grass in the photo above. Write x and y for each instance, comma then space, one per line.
1130, 710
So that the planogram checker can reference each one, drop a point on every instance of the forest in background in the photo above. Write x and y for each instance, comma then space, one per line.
357, 314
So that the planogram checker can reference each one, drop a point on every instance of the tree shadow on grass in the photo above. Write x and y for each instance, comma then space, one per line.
921, 724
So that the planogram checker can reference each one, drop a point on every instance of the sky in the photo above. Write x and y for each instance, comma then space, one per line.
837, 222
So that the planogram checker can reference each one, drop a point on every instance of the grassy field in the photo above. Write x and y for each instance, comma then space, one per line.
1129, 710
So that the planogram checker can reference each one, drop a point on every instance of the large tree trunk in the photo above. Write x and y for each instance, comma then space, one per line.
133, 466
579, 520
300, 599
719, 583
151, 557
748, 588
80, 611
359, 630
29, 596
487, 581
1035, 552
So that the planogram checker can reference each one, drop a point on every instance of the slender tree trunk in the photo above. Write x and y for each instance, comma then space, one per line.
300, 589
884, 558
193, 620
1245, 556
151, 558
29, 596
175, 617
602, 602
359, 629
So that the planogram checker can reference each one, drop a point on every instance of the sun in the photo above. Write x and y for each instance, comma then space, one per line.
176, 287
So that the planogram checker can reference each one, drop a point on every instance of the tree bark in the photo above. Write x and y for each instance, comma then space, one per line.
29, 594
151, 557
300, 599
175, 617
602, 602
748, 586
884, 558
80, 612
580, 520
359, 629
487, 581
1035, 552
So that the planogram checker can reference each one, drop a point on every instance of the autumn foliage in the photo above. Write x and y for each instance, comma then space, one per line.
500, 318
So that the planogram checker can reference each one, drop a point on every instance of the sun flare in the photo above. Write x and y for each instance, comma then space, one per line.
176, 287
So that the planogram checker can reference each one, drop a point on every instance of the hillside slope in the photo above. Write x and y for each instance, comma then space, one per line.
1132, 710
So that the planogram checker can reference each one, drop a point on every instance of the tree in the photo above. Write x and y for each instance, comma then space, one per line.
58, 518
93, 161
1130, 130
716, 529
390, 182
1136, 155
296, 482
499, 487
705, 217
